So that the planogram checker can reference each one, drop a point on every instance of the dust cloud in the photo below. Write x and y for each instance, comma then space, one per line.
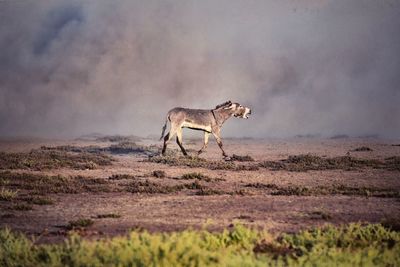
304, 67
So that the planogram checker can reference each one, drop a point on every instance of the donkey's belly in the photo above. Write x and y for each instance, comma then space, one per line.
196, 126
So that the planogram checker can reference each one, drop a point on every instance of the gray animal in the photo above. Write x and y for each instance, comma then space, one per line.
206, 120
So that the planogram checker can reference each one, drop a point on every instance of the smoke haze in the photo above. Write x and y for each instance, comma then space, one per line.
304, 67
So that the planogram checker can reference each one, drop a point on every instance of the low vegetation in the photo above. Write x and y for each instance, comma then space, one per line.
340, 189
52, 159
196, 162
79, 224
351, 245
241, 158
362, 149
38, 200
7, 194
22, 207
296, 163
121, 176
148, 187
159, 174
118, 138
318, 215
127, 147
206, 191
196, 175
312, 162
108, 215
124, 147
44, 184
393, 163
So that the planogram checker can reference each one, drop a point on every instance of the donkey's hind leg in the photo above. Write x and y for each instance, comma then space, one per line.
179, 140
168, 138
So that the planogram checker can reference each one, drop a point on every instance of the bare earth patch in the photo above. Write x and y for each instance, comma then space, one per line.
109, 186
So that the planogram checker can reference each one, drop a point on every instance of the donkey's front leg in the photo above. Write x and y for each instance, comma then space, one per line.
206, 134
219, 142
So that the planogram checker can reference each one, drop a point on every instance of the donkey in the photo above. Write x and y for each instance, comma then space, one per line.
206, 120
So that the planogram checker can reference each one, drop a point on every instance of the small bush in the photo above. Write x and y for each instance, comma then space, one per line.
108, 215
208, 192
320, 215
148, 187
362, 149
391, 223
40, 200
118, 138
121, 176
126, 147
393, 163
241, 158
22, 207
7, 194
80, 223
262, 186
196, 175
159, 174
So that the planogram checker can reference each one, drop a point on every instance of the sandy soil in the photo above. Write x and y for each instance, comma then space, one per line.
181, 210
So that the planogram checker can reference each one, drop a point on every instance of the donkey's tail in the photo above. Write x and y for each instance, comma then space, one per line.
164, 127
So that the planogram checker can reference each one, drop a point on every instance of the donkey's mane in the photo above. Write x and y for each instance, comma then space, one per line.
223, 104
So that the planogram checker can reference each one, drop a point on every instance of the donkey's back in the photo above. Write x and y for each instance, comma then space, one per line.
187, 115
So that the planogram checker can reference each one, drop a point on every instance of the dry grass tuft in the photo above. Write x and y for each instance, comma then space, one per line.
159, 174
148, 187
241, 158
274, 189
362, 149
196, 162
391, 223
196, 175
121, 176
320, 215
7, 194
118, 138
208, 192
39, 200
22, 207
44, 184
52, 159
393, 163
108, 215
312, 162
79, 224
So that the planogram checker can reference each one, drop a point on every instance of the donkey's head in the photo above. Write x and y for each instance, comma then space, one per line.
235, 109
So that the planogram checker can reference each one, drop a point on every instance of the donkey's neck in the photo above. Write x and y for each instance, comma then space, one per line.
221, 115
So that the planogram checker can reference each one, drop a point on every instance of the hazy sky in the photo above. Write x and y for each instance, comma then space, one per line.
303, 66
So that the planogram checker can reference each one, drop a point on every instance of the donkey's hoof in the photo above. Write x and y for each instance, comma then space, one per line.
227, 158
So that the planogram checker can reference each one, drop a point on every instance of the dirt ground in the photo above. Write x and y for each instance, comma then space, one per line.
235, 201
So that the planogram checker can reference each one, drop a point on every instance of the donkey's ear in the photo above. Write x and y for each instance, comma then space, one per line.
229, 105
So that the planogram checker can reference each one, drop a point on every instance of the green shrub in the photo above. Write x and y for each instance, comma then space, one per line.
7, 194
196, 175
352, 245
80, 223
